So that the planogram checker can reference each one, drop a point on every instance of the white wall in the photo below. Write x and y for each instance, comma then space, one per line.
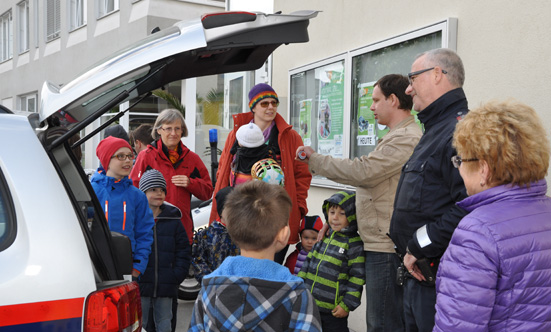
504, 47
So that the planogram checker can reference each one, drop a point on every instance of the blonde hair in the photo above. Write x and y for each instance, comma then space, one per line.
509, 136
255, 212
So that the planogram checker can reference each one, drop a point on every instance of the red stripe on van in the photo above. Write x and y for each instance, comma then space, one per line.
40, 311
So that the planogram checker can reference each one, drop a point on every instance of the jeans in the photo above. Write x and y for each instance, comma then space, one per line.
162, 312
419, 306
330, 323
384, 298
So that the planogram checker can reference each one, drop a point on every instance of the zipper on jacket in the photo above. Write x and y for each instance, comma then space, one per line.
124, 217
106, 211
320, 260
156, 260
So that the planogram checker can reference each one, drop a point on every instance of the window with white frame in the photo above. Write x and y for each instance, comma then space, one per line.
27, 102
6, 36
105, 7
331, 110
35, 22
53, 19
23, 24
77, 13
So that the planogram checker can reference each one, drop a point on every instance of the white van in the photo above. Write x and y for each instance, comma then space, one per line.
61, 269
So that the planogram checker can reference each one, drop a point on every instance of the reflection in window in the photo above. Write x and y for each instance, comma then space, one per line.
367, 68
317, 107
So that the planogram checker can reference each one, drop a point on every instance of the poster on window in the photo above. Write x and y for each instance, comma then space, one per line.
330, 111
366, 121
305, 116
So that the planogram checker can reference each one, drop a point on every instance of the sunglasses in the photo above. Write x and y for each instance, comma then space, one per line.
266, 103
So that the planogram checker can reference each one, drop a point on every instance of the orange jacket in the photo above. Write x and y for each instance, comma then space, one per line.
297, 176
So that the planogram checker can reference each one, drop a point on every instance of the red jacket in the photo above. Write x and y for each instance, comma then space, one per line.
297, 176
192, 166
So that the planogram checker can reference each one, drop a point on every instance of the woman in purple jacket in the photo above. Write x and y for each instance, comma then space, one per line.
496, 272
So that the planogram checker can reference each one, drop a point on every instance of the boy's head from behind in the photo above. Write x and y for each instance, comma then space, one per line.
340, 210
153, 184
257, 215
116, 156
309, 229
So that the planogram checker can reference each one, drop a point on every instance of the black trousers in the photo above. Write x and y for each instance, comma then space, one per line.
331, 323
419, 306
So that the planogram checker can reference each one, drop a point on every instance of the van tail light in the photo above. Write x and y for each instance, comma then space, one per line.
114, 309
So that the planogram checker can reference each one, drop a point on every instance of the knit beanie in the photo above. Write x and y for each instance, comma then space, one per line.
259, 92
152, 178
220, 198
250, 135
107, 148
311, 222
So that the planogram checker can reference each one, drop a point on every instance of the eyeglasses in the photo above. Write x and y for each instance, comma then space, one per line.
265, 103
413, 75
170, 129
122, 156
457, 161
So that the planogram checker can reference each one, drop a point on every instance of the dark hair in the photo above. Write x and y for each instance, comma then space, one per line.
142, 134
396, 84
255, 212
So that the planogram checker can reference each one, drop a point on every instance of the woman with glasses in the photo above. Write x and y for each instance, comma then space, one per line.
496, 272
184, 171
280, 144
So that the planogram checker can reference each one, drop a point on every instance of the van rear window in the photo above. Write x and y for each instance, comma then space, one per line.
7, 215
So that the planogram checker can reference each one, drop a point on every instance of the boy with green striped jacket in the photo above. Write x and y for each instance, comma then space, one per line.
334, 270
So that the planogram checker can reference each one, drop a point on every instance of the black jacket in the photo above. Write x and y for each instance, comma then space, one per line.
430, 185
170, 255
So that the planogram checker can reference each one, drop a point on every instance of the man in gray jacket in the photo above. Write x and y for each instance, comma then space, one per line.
376, 178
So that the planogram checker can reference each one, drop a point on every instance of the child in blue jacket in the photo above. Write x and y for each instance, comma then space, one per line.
126, 208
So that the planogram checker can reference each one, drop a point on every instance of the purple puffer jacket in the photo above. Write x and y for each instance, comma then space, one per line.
496, 272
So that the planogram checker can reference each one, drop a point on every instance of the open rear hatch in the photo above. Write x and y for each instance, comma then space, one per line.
216, 43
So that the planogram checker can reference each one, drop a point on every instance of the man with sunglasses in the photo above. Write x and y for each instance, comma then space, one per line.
281, 142
425, 214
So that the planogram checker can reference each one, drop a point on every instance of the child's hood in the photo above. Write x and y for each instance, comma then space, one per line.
346, 200
169, 211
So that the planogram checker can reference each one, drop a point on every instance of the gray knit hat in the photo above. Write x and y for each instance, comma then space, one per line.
152, 178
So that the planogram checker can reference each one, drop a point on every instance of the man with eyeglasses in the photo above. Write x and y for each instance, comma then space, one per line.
376, 178
425, 214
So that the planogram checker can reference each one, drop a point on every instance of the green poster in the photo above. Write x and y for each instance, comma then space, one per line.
366, 120
305, 117
331, 112
414, 113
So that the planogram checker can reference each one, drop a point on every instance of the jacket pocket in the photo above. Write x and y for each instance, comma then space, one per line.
410, 193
